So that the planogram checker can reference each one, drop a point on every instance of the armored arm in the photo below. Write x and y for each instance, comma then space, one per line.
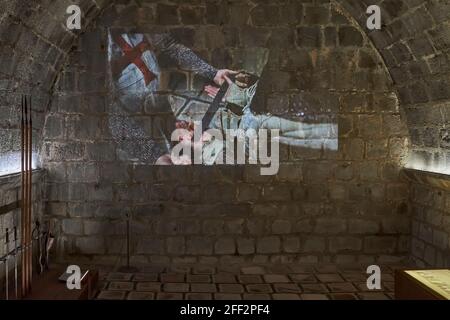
183, 56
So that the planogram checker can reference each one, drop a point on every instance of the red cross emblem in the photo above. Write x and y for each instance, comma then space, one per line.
133, 55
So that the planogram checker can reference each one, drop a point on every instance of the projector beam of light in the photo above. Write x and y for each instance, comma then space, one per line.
11, 163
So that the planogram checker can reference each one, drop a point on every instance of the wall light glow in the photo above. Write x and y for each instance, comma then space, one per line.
11, 162
428, 163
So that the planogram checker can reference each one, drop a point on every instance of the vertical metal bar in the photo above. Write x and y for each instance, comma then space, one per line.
30, 201
25, 248
23, 207
128, 241
6, 264
15, 262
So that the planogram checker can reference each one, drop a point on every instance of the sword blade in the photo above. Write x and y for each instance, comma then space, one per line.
215, 105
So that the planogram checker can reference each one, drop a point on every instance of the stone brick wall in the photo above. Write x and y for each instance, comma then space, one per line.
348, 205
415, 44
10, 187
430, 197
34, 42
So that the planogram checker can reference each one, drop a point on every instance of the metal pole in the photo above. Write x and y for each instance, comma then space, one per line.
128, 241
24, 201
25, 246
6, 265
15, 262
30, 202
128, 267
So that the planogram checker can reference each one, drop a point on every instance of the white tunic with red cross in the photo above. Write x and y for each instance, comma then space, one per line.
139, 71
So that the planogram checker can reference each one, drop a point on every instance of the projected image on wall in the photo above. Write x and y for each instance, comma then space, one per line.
164, 95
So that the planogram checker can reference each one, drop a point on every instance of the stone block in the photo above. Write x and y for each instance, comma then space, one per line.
338, 192
309, 37
213, 227
239, 13
83, 127
380, 244
291, 244
248, 192
225, 246
198, 278
176, 287
219, 193
150, 246
277, 192
199, 245
276, 278
92, 227
330, 37
198, 296
176, 245
429, 255
397, 225
141, 296
277, 104
281, 227
245, 246
231, 288
114, 172
72, 226
121, 286
101, 151
286, 288
259, 288
191, 15
234, 226
189, 194
82, 172
133, 192
268, 245
64, 151
317, 15
361, 226
167, 14
350, 36
203, 287
91, 245
345, 244
318, 171
440, 240
53, 127
330, 225
100, 192
313, 244
111, 295
169, 296
265, 15
217, 13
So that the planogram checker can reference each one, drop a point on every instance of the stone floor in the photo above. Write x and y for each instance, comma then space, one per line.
278, 282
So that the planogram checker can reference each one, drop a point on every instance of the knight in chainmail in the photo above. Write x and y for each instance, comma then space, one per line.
136, 81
